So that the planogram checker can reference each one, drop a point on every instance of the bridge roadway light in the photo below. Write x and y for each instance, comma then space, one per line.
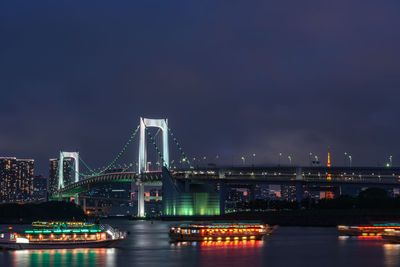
280, 157
243, 159
345, 156
350, 159
310, 158
254, 158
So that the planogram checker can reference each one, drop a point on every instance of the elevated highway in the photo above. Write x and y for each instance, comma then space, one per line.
358, 176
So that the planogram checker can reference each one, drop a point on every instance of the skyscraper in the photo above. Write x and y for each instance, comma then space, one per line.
16, 179
53, 173
39, 187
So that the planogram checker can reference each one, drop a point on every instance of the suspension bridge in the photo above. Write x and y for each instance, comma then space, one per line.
202, 191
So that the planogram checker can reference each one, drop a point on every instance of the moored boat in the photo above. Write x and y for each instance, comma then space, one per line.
376, 229
220, 232
61, 235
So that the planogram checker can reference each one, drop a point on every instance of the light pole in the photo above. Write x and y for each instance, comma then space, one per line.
345, 156
244, 160
350, 159
254, 158
316, 160
391, 161
310, 158
290, 160
280, 157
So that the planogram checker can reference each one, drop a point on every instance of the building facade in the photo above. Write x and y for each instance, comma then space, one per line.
53, 173
40, 187
16, 179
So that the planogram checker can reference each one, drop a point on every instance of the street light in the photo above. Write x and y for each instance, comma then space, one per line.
391, 161
345, 156
350, 159
290, 159
280, 156
254, 158
244, 160
310, 158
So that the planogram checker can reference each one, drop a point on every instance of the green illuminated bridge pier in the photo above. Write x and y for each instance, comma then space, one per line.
202, 191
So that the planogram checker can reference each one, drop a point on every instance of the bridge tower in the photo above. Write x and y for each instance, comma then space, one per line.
162, 124
63, 155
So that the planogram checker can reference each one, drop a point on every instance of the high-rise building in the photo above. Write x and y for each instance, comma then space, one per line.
16, 179
288, 192
39, 187
53, 173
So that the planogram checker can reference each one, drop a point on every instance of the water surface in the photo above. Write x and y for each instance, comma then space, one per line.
148, 245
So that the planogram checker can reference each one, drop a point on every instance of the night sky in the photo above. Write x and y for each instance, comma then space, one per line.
233, 77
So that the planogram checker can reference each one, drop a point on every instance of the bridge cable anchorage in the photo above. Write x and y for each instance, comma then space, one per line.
112, 163
184, 157
151, 138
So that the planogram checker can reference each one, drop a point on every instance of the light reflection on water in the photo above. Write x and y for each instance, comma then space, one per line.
64, 257
148, 245
391, 254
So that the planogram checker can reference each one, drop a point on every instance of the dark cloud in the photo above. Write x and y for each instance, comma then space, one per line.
233, 79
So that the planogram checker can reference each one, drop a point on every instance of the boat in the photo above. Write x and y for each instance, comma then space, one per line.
376, 229
391, 235
219, 231
62, 235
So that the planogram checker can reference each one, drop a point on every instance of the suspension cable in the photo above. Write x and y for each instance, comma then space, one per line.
184, 157
156, 147
112, 163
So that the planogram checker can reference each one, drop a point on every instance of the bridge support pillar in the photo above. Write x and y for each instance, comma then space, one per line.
141, 212
84, 205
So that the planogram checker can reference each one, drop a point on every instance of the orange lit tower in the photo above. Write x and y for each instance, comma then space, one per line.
328, 164
329, 177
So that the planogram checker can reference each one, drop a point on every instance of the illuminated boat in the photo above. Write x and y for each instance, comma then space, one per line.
220, 232
61, 235
368, 230
391, 235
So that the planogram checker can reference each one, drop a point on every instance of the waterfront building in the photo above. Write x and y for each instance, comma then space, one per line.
16, 179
